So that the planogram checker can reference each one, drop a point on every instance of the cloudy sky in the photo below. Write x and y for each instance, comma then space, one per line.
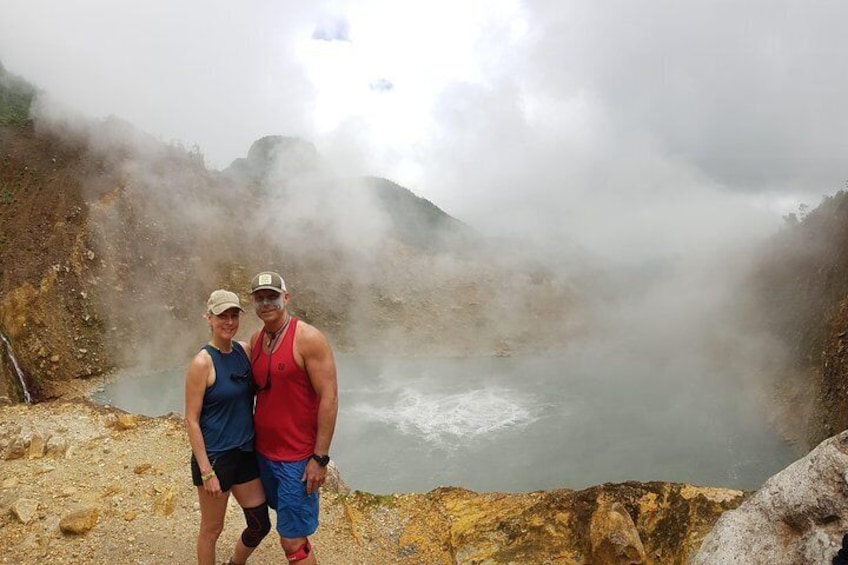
633, 128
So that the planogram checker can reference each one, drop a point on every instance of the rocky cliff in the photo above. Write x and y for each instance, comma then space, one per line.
801, 289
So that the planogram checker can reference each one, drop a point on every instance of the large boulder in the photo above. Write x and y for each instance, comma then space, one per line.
614, 538
798, 516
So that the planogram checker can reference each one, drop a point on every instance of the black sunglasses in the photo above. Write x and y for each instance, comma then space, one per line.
240, 376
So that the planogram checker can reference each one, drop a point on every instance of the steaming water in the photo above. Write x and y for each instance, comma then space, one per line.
569, 419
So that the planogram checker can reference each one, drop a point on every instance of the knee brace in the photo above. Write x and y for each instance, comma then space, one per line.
301, 553
258, 525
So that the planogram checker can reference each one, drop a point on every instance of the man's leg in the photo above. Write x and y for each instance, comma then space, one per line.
298, 551
297, 511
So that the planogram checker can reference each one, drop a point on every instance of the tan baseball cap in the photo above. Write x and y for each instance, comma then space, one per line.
268, 280
222, 300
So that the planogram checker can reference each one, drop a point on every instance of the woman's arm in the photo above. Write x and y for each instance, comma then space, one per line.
200, 372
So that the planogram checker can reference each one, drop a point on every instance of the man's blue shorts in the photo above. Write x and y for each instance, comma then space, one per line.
297, 511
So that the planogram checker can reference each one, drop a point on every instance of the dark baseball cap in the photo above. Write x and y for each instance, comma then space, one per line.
268, 280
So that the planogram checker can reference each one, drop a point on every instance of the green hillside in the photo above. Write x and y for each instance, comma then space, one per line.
15, 98
801, 290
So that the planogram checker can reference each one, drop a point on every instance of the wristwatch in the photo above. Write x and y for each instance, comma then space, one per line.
322, 460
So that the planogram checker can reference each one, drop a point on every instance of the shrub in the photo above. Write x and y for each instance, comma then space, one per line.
15, 98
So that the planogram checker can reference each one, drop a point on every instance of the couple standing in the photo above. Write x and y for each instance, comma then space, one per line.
288, 367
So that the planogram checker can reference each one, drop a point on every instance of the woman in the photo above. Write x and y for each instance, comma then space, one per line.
219, 421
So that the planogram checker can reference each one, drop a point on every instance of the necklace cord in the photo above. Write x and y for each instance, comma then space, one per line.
273, 337
272, 342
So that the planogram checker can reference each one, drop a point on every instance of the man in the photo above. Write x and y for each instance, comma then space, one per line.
295, 415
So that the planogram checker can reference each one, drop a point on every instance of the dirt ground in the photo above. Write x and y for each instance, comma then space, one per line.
134, 472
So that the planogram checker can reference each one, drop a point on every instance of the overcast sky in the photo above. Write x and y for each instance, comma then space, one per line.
633, 128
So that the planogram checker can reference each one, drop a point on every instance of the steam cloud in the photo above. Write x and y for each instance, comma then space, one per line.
617, 155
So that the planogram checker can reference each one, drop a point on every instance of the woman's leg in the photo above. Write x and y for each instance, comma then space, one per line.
251, 498
212, 511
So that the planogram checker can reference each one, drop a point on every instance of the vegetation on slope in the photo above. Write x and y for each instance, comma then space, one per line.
802, 289
15, 98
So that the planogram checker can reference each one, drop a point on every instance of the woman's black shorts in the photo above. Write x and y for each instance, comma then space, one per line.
232, 467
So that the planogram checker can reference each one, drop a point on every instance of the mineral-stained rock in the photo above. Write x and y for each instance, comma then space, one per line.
165, 499
56, 447
24, 509
125, 422
111, 490
142, 468
798, 516
36, 447
79, 522
654, 522
66, 491
613, 536
15, 449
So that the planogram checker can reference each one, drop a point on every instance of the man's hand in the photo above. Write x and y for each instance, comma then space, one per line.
314, 476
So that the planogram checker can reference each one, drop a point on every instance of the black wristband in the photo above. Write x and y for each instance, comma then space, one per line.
323, 460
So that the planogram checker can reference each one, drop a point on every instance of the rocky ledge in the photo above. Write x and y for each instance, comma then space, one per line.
80, 483
798, 516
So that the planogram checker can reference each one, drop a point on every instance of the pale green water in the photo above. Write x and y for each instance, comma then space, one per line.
528, 423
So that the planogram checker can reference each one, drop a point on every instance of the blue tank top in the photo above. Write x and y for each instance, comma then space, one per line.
226, 418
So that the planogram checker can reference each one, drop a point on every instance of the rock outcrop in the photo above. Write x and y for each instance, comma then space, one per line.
800, 287
275, 157
799, 515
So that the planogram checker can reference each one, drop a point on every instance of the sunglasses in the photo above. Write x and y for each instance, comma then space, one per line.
238, 377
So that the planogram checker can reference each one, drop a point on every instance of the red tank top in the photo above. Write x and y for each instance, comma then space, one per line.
286, 414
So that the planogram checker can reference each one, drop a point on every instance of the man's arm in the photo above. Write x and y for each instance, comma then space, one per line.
320, 366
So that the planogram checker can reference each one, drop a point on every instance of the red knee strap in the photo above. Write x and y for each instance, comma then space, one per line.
301, 553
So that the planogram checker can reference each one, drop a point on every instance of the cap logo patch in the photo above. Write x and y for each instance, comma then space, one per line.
264, 279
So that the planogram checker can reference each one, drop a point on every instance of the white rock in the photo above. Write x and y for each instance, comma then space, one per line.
798, 516
25, 509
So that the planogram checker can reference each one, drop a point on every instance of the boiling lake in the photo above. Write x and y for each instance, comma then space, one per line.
569, 419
